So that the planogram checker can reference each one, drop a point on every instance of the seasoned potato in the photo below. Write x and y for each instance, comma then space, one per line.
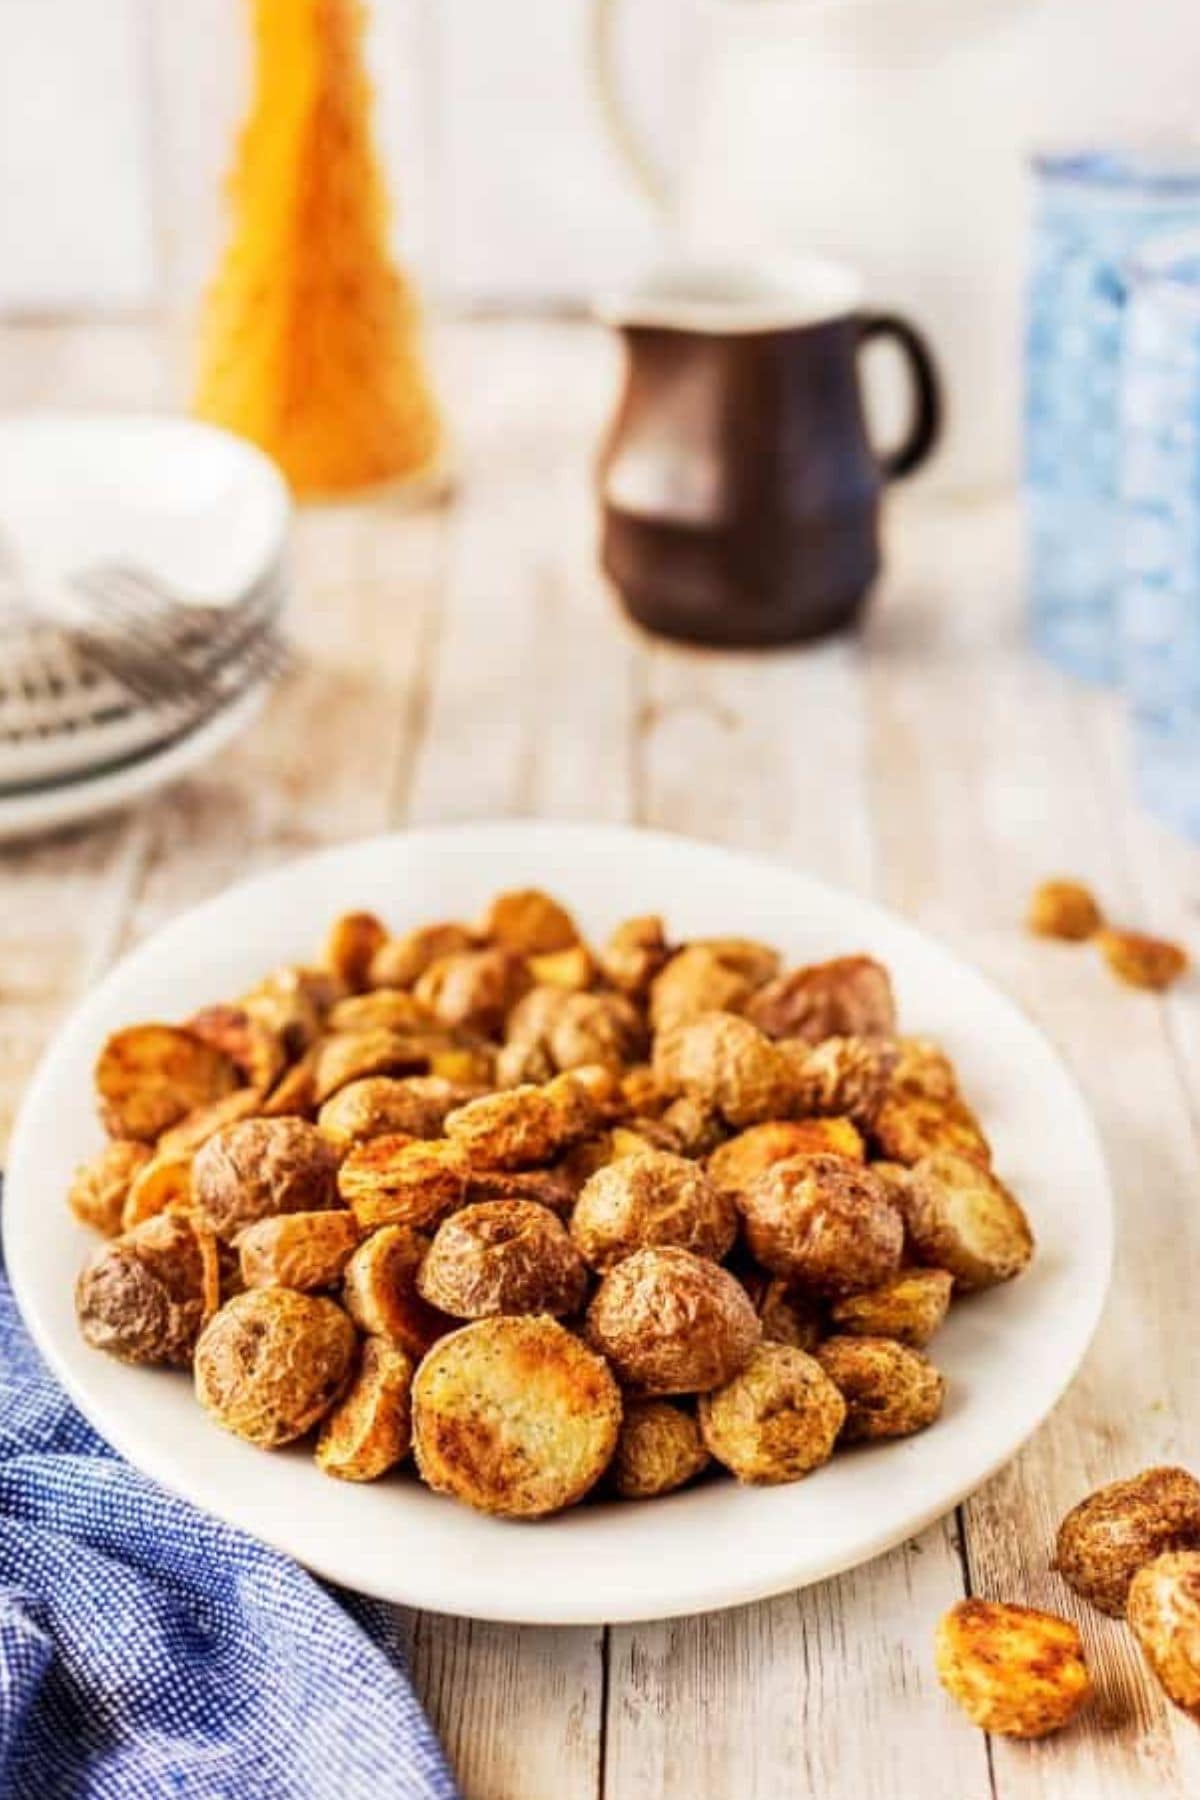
571, 969
729, 1064
529, 922
298, 1250
143, 1297
514, 1416
467, 1065
694, 982
294, 1096
503, 1256
922, 1068
789, 1314
293, 1003
1107, 1538
165, 1183
351, 945
909, 1307
382, 1105
961, 1218
149, 1076
354, 1055
476, 989
1063, 909
648, 1199
381, 1009
253, 1046
1140, 961
672, 1323
634, 953
1013, 1671
549, 1187
909, 1126
512, 1130
400, 962
736, 1164
642, 1093
195, 1128
896, 1181
379, 1291
776, 1420
370, 1428
1164, 1614
842, 1075
398, 1180
659, 1448
851, 996
758, 962
552, 1029
689, 1125
272, 1362
825, 1222
890, 1390
98, 1187
259, 1168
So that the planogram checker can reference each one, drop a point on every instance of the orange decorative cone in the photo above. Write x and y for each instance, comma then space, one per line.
311, 338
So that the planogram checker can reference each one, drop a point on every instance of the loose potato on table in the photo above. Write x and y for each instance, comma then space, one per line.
672, 1323
1014, 1671
143, 1297
514, 1416
909, 1307
382, 1105
1108, 1537
890, 1390
1164, 1615
149, 1076
99, 1186
825, 1222
659, 1449
379, 1291
307, 1251
370, 1428
398, 1180
272, 1362
503, 1256
776, 1420
735, 1165
258, 1169
851, 996
729, 1064
962, 1219
651, 1198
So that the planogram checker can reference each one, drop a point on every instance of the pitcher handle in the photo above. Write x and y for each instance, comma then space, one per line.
622, 130
926, 426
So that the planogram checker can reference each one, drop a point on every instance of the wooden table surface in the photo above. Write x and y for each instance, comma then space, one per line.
468, 663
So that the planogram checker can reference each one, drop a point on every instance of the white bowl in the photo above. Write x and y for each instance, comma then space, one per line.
1007, 1354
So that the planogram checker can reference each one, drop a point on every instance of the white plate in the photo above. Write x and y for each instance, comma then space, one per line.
1007, 1354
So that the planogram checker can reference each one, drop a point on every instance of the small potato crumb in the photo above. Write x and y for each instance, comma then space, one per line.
1164, 1614
1063, 909
1013, 1670
1143, 962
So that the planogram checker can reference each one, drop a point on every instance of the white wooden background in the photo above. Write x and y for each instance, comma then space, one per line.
470, 663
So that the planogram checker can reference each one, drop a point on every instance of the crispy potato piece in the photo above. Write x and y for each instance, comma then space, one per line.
1063, 909
476, 989
518, 1127
195, 1128
778, 1418
252, 1046
1164, 1614
647, 1199
528, 922
380, 1291
353, 1055
851, 1076
897, 1184
736, 1164
400, 962
259, 1168
549, 1187
503, 1256
633, 954
961, 1218
351, 946
890, 1391
164, 1184
689, 1125
370, 1429
295, 1094
142, 1296
293, 1002
272, 1362
1108, 1537
910, 1307
730, 1065
398, 1180
696, 981
825, 1222
850, 996
514, 1416
524, 1062
571, 969
908, 1127
305, 1251
381, 1009
551, 1029
98, 1187
658, 1450
923, 1069
1141, 961
149, 1076
382, 1105
672, 1323
1013, 1671
789, 1314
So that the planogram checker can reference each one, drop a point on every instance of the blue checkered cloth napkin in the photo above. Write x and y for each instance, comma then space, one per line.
146, 1650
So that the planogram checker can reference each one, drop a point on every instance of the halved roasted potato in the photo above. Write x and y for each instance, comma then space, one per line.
398, 1180
1013, 1670
777, 1419
148, 1077
370, 1428
961, 1218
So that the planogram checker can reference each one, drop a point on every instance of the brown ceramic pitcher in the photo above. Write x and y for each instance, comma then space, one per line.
738, 485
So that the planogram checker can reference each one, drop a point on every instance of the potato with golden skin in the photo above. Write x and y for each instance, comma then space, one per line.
349, 1056
551, 1029
849, 1076
99, 1186
270, 1364
163, 1185
384, 1105
1108, 1537
148, 1077
650, 1199
1141, 961
659, 1449
474, 989
923, 1069
778, 1419
401, 961
789, 1314
633, 953
503, 1256
195, 1128
350, 946
573, 970
529, 922
849, 996
1164, 1615
143, 1297
1014, 1671
961, 1218
757, 961
910, 1307
908, 1127
379, 1291
696, 981
306, 1251
518, 1127
398, 1180
689, 1125
890, 1390
293, 1002
734, 1165
369, 1429
514, 1416
379, 1009
259, 1168
672, 1323
1063, 909
253, 1046
824, 1222
729, 1065
550, 1188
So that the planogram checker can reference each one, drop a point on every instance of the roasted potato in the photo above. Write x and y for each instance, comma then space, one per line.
143, 1297
961, 1218
689, 1125
922, 1068
1108, 1537
354, 1055
549, 1187
757, 961
379, 1291
512, 1130
1063, 909
825, 1222
737, 1163
908, 1126
514, 1416
400, 962
650, 1199
475, 989
370, 1428
729, 1064
195, 1128
351, 945
910, 1307
380, 1009
672, 1323
306, 1251
634, 953
1014, 1671
254, 1048
382, 1106
789, 1314
1140, 961
659, 1448
776, 1420
294, 1002
850, 1076
572, 969
164, 1184
851, 996
148, 1077
1164, 1615
99, 1186
890, 1390
503, 1256
294, 1095
271, 1363
259, 1168
399, 1180
551, 1029
696, 981
528, 922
